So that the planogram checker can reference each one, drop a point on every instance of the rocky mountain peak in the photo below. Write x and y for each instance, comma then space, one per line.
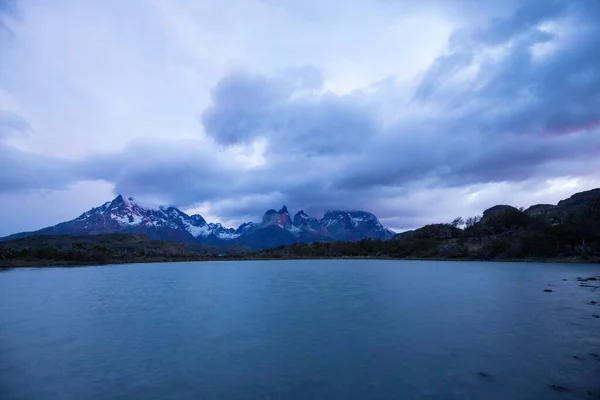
118, 200
198, 219
300, 218
279, 218
245, 228
283, 210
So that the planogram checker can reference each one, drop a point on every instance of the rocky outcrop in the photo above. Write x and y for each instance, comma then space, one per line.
496, 210
432, 231
539, 209
557, 214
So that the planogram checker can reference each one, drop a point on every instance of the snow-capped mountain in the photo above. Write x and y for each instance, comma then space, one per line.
169, 223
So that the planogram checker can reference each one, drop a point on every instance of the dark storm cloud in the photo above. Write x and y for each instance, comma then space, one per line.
528, 15
447, 160
22, 171
8, 6
559, 92
241, 104
442, 68
500, 126
505, 128
178, 172
246, 106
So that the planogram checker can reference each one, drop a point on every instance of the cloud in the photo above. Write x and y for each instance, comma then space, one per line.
527, 17
12, 124
511, 101
519, 92
8, 9
289, 110
35, 209
24, 171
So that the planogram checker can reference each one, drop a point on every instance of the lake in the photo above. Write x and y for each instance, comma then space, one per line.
314, 329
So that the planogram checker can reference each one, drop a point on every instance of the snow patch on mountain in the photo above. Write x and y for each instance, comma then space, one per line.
130, 220
196, 231
227, 235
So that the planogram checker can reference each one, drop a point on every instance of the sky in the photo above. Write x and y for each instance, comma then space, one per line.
417, 111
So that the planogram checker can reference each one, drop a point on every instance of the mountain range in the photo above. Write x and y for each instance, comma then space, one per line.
276, 228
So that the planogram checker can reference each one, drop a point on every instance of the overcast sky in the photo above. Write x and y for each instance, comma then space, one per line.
418, 111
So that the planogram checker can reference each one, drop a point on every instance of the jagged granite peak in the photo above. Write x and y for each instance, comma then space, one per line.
335, 225
283, 210
300, 218
304, 226
279, 218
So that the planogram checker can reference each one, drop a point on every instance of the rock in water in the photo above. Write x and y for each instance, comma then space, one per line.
559, 388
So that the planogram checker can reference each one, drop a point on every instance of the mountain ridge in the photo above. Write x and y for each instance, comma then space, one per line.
277, 227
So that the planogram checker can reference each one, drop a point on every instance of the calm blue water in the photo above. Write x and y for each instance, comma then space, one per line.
299, 330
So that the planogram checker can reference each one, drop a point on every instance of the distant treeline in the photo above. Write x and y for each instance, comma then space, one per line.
102, 249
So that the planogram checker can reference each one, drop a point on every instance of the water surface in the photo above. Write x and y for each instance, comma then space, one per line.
299, 330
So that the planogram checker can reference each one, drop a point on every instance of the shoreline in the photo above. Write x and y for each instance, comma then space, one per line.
72, 264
